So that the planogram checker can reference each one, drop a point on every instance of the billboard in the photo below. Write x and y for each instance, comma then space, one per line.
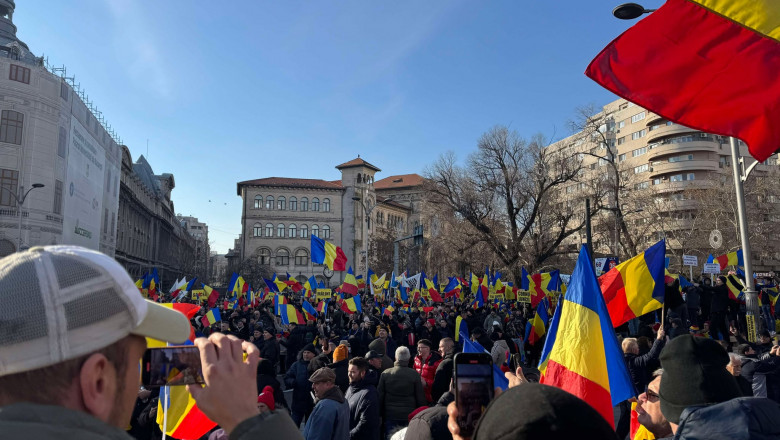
83, 192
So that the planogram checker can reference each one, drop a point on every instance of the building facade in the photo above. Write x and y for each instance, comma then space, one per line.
280, 214
201, 263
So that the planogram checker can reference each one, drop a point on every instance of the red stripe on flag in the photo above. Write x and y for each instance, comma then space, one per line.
193, 426
594, 394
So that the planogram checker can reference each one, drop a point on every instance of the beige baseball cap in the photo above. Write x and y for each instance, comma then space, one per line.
61, 302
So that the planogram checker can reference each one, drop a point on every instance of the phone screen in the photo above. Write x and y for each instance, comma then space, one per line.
169, 366
474, 391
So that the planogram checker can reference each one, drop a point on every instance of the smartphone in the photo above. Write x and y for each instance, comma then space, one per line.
171, 366
473, 388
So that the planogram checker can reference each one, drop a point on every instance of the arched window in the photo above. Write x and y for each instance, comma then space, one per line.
291, 230
326, 231
269, 202
264, 256
304, 204
282, 257
269, 230
258, 202
280, 230
281, 203
301, 257
304, 231
315, 230
257, 230
359, 179
326, 205
293, 204
315, 204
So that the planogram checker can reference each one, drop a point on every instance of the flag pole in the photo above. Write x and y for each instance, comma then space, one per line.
167, 396
751, 296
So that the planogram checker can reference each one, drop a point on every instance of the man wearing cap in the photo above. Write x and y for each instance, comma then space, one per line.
374, 367
70, 369
297, 379
330, 418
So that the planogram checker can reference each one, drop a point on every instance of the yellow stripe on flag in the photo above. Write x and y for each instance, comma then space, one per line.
762, 16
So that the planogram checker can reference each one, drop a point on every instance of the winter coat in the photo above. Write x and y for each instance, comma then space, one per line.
297, 379
341, 368
378, 346
330, 418
763, 375
270, 350
364, 418
498, 352
637, 365
427, 370
443, 376
431, 424
400, 392
736, 419
720, 299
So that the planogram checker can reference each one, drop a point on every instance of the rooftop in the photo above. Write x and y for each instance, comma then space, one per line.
289, 182
357, 162
399, 181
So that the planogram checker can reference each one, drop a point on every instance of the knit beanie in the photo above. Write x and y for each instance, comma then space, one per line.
535, 411
694, 375
267, 397
309, 347
340, 353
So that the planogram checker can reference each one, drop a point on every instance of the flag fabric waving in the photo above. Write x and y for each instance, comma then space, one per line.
581, 353
430, 287
461, 329
636, 286
535, 329
213, 316
309, 311
350, 283
352, 305
707, 64
290, 314
730, 259
327, 253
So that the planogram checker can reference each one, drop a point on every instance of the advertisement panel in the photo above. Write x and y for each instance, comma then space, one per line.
83, 198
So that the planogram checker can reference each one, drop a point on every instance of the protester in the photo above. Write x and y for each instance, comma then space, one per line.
400, 392
340, 366
638, 369
763, 374
266, 377
330, 418
270, 348
735, 368
364, 418
71, 369
431, 423
378, 346
425, 363
648, 409
297, 379
443, 375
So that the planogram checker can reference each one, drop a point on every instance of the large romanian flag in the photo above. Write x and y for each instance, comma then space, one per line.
327, 253
581, 353
730, 259
290, 314
708, 64
636, 286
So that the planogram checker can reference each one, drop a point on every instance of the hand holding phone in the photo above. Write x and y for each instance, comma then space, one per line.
473, 389
171, 366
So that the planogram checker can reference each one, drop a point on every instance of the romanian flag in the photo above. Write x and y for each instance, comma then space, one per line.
474, 284
636, 286
361, 283
707, 64
213, 295
154, 281
322, 307
452, 288
211, 317
461, 329
535, 329
279, 301
483, 285
310, 286
430, 287
290, 314
271, 285
350, 284
581, 354
637, 430
293, 283
237, 288
309, 311
327, 253
140, 285
280, 285
735, 287
352, 305
730, 259
541, 284
536, 294
389, 309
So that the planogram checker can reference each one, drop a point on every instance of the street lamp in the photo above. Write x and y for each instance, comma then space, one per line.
630, 11
19, 204
367, 211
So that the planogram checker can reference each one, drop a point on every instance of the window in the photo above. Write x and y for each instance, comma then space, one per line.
641, 168
269, 202
304, 231
269, 230
657, 181
57, 197
9, 179
61, 142
280, 230
621, 140
304, 204
315, 230
11, 127
264, 256
282, 257
326, 205
19, 73
681, 177
291, 230
64, 91
301, 257
642, 185
293, 204
257, 230
315, 204
639, 152
637, 117
326, 231
681, 158
281, 203
621, 124
638, 134
258, 202
622, 157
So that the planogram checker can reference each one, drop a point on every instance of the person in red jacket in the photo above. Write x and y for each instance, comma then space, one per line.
425, 363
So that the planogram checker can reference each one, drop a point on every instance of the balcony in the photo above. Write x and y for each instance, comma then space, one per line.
668, 130
684, 166
651, 118
682, 148
668, 187
677, 205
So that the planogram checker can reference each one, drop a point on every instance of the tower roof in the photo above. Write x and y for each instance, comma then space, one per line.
357, 162
399, 181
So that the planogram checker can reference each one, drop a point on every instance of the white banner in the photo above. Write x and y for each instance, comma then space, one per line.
711, 268
83, 198
690, 260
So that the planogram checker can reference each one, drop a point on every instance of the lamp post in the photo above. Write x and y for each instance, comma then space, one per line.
19, 204
367, 211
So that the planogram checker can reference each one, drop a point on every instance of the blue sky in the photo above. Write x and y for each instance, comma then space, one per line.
227, 91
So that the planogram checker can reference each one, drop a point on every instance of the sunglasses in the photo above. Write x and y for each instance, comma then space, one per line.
652, 396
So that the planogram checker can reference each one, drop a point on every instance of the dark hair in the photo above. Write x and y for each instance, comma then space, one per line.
425, 342
360, 363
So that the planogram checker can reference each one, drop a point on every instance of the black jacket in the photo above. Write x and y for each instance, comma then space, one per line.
342, 374
736, 419
364, 417
443, 377
270, 351
297, 379
637, 365
431, 424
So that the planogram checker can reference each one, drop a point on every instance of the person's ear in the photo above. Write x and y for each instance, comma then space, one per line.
98, 384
